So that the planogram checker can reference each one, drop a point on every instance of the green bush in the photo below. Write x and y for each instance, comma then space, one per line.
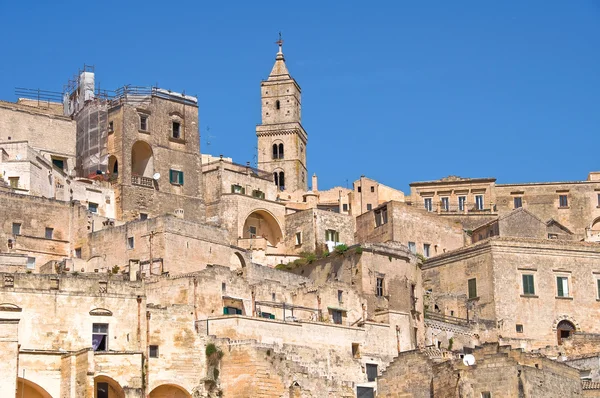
115, 269
358, 250
211, 349
341, 249
450, 344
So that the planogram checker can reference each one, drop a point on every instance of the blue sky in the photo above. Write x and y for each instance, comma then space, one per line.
398, 91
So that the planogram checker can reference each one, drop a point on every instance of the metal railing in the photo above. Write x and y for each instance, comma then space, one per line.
434, 316
142, 181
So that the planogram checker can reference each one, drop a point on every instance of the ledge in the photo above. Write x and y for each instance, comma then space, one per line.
144, 131
177, 140
563, 298
530, 296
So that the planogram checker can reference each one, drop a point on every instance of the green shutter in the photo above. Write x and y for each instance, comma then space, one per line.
472, 288
528, 284
243, 191
598, 280
559, 285
233, 189
272, 316
225, 311
238, 311
181, 178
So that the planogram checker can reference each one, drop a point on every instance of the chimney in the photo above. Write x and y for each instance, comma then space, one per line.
315, 183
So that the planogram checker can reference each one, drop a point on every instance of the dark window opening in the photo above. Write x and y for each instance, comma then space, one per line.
111, 127
153, 351
101, 390
472, 288
381, 216
176, 130
379, 287
345, 207
563, 201
371, 372
49, 233
372, 189
16, 228
144, 123
93, 207
369, 206
143, 216
519, 328
78, 252
59, 163
232, 311
355, 350
277, 105
359, 189
336, 315
280, 180
518, 202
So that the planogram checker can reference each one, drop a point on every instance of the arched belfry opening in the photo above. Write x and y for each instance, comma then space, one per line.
279, 177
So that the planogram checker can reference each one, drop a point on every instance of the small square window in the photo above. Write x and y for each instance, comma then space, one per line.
143, 123
336, 315
372, 189
54, 284
143, 216
100, 336
176, 177
49, 233
359, 189
16, 228
426, 249
298, 238
519, 328
59, 163
93, 207
369, 206
518, 202
78, 252
30, 262
14, 182
345, 207
176, 130
130, 242
428, 204
153, 351
563, 201
331, 235
412, 247
238, 189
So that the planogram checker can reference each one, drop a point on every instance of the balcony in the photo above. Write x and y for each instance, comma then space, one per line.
253, 243
146, 182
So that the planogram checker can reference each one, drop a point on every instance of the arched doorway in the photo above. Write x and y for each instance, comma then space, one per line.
142, 160
105, 387
28, 389
169, 391
262, 224
564, 330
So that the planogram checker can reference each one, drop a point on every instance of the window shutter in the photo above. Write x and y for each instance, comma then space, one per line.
272, 316
472, 288
525, 284
172, 176
181, 177
233, 189
225, 311
238, 311
243, 191
560, 287
598, 281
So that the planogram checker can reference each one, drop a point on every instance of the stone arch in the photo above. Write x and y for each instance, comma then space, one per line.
28, 389
113, 165
107, 387
595, 225
169, 391
565, 318
142, 159
279, 178
564, 330
241, 258
262, 223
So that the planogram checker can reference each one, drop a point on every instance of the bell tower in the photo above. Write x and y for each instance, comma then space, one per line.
281, 138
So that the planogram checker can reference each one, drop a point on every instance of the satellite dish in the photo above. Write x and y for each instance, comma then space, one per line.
156, 176
18, 157
469, 360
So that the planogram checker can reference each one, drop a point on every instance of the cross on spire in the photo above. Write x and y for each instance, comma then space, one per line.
280, 43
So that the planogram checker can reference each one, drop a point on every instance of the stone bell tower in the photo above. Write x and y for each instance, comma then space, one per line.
281, 138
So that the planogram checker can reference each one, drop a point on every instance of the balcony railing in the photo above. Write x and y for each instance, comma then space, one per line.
146, 182
467, 208
434, 316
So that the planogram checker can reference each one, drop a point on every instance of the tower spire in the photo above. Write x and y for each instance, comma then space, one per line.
280, 44
279, 70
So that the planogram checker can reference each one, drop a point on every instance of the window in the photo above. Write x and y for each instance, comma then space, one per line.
153, 351
30, 262
599, 200
238, 189
252, 232
340, 296
14, 182
277, 104
278, 151
426, 249
298, 238
331, 235
563, 201
279, 178
528, 286
267, 315
486, 394
78, 252
232, 311
381, 216
552, 236
412, 247
93, 207
472, 288
462, 200
100, 336
355, 350
519, 328
257, 193
518, 202
598, 284
111, 127
143, 123
479, 202
371, 371
176, 130
379, 287
345, 207
176, 177
59, 163
369, 206
372, 189
562, 286
359, 189
130, 242
445, 204
49, 232
143, 216
336, 315
16, 228
223, 286
428, 205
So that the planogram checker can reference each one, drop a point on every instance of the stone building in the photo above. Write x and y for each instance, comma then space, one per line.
528, 293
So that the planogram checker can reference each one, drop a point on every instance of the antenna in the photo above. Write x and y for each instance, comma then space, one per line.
469, 360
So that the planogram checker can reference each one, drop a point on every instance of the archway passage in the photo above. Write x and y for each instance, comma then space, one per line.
105, 387
169, 391
28, 389
564, 330
113, 165
142, 159
262, 224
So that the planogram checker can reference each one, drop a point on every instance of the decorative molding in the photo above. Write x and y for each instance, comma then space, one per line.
10, 307
100, 312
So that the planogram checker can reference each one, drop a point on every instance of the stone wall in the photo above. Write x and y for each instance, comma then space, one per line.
312, 225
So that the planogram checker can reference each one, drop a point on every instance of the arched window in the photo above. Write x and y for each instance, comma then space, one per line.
564, 330
281, 181
280, 151
277, 105
277, 151
276, 178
